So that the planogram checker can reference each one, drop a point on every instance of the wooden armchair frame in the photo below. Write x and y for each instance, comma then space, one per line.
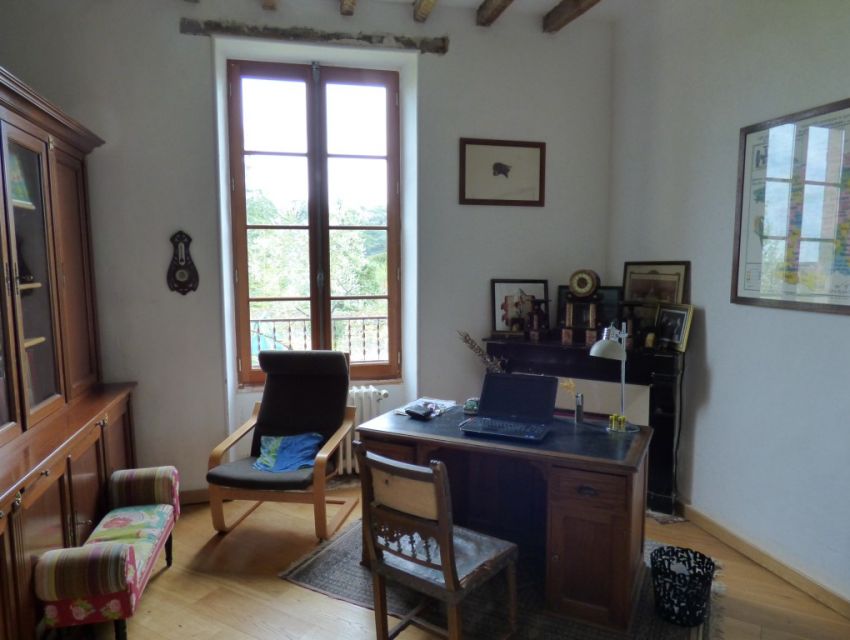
315, 494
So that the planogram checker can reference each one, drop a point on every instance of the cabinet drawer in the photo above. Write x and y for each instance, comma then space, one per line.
47, 474
588, 489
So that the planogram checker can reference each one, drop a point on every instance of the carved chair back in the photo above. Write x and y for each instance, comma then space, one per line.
407, 513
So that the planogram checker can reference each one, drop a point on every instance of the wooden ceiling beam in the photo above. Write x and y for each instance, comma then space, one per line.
270, 5
422, 9
564, 13
489, 10
346, 7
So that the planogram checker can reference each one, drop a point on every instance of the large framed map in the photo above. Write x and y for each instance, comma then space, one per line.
792, 224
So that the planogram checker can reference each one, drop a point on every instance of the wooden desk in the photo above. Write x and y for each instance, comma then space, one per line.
574, 503
660, 372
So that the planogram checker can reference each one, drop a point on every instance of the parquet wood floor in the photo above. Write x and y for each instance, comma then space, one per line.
227, 587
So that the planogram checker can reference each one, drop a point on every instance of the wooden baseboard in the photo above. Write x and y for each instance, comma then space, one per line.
195, 496
792, 576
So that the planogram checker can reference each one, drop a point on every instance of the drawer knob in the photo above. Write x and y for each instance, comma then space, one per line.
45, 472
587, 491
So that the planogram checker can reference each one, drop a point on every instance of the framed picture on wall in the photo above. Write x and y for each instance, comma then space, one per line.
656, 282
792, 244
502, 172
513, 301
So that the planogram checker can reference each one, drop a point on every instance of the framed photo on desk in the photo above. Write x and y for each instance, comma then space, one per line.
674, 325
512, 302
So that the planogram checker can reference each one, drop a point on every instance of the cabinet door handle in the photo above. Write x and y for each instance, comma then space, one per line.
587, 491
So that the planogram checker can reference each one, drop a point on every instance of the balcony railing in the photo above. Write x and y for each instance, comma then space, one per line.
365, 339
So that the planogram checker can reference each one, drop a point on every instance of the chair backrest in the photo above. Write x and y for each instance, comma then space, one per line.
407, 513
305, 391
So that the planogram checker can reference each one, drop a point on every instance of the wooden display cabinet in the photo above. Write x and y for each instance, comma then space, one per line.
62, 431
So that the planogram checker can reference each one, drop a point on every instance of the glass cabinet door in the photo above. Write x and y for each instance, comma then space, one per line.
9, 414
31, 278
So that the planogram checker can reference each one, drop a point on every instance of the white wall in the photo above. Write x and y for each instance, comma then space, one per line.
766, 402
122, 68
508, 81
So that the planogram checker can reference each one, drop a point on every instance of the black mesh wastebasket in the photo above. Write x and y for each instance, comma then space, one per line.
681, 579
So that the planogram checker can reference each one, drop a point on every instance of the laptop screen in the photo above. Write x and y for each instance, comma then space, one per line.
525, 398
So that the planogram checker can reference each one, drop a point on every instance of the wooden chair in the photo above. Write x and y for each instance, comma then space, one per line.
305, 391
410, 539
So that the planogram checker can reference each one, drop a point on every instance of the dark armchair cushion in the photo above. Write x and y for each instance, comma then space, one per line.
305, 391
240, 474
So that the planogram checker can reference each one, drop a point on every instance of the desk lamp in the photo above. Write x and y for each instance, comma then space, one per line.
613, 347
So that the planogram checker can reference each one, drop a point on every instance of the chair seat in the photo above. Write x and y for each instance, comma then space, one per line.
145, 527
240, 474
477, 556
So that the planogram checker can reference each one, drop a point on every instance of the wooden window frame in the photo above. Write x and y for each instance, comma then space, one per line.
319, 227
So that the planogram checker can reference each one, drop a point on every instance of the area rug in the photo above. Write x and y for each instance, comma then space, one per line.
334, 569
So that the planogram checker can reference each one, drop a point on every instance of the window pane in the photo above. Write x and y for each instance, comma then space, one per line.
357, 119
274, 115
820, 211
780, 151
276, 189
278, 263
358, 262
817, 156
360, 329
776, 204
357, 192
816, 252
812, 210
276, 326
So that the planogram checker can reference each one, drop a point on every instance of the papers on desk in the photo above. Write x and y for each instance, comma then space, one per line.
437, 406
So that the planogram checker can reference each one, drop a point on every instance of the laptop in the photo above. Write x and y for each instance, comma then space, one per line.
514, 406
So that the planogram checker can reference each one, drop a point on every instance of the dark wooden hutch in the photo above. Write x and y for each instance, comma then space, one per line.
661, 371
62, 432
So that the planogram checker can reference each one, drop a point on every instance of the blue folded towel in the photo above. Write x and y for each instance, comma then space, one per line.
288, 453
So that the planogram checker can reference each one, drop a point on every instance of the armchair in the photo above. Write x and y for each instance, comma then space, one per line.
304, 392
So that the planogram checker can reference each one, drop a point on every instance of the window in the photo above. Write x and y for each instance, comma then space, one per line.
314, 156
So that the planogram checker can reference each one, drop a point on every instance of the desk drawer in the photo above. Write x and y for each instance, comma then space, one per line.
589, 489
394, 450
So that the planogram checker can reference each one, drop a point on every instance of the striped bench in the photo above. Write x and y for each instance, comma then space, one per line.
103, 580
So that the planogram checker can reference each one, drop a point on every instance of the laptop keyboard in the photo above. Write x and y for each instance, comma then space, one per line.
525, 431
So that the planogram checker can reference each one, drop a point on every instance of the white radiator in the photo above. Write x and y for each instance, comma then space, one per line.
367, 401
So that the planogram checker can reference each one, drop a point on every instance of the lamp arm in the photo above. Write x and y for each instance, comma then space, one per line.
623, 387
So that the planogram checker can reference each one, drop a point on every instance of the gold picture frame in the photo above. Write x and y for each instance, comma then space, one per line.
674, 325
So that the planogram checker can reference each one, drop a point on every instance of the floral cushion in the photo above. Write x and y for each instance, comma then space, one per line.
103, 580
141, 526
